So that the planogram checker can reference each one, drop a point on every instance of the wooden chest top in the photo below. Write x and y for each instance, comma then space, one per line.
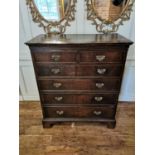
72, 39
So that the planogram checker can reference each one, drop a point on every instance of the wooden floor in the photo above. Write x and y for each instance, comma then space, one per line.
78, 139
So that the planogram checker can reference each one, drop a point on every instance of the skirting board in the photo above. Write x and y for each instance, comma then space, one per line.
21, 98
29, 98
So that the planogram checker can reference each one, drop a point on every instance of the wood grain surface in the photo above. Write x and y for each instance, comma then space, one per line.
78, 138
78, 39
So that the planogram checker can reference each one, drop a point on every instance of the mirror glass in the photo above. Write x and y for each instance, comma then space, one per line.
52, 10
109, 10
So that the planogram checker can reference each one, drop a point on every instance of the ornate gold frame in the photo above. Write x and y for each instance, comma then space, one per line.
54, 27
106, 26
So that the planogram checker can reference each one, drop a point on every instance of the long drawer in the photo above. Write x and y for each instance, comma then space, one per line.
46, 69
80, 84
79, 112
61, 98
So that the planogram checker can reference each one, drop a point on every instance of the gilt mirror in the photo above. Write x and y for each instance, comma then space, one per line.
52, 15
108, 15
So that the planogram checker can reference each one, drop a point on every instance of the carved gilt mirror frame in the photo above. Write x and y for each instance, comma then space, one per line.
104, 25
49, 26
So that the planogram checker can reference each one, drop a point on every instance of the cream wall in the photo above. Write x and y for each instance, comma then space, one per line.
28, 29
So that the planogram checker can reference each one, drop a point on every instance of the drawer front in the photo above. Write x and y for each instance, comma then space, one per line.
55, 56
79, 112
55, 70
99, 70
62, 98
109, 55
80, 84
79, 70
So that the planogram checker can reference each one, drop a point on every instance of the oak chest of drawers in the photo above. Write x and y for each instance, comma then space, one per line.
79, 76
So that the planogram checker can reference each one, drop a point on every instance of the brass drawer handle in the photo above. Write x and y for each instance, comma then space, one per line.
101, 70
55, 70
99, 85
58, 98
100, 57
98, 98
55, 57
57, 84
97, 113
60, 112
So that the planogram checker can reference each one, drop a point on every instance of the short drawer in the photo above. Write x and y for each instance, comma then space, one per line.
80, 112
61, 98
79, 70
54, 56
80, 84
102, 56
55, 70
99, 70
